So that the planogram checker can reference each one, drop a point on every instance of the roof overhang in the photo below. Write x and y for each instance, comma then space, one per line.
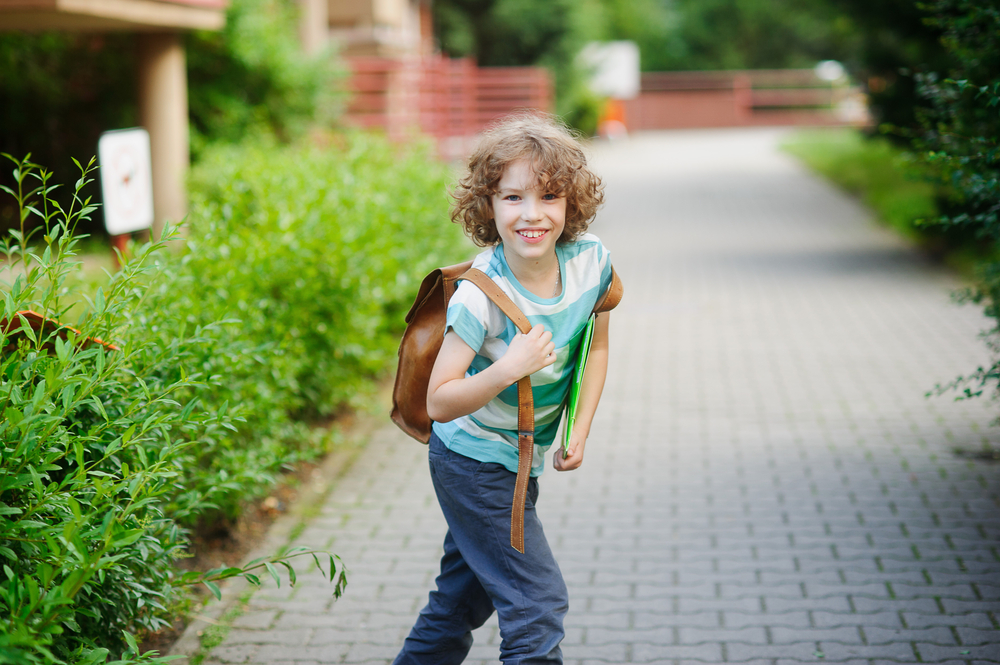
112, 15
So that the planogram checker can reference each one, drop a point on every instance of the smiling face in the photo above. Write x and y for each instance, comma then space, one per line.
529, 219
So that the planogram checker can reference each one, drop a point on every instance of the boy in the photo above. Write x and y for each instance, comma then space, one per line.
528, 197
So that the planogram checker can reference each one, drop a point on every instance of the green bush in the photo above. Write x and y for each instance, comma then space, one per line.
282, 304
313, 255
94, 442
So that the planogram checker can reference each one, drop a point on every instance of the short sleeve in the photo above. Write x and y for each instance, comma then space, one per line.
471, 315
604, 262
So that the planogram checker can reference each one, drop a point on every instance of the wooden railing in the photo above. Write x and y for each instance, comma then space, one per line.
741, 98
449, 100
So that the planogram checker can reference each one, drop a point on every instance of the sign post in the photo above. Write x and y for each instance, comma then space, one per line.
126, 184
614, 74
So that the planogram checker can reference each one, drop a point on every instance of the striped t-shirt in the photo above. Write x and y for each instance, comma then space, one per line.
490, 434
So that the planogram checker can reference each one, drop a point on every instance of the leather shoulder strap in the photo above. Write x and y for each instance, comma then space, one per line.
499, 298
612, 296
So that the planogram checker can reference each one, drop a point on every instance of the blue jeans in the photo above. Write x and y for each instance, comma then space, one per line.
481, 572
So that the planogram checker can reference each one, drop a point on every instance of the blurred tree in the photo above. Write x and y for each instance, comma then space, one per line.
894, 44
253, 78
748, 34
652, 24
505, 33
59, 91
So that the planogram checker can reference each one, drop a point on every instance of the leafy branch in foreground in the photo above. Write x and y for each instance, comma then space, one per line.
212, 577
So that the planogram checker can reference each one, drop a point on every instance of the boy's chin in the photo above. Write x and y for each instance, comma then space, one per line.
533, 252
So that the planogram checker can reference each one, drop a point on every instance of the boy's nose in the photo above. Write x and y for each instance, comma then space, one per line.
530, 210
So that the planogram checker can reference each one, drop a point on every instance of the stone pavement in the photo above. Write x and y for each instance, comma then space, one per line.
765, 482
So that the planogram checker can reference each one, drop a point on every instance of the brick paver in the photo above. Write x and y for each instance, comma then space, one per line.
765, 482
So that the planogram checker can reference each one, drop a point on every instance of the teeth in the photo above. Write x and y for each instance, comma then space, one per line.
531, 234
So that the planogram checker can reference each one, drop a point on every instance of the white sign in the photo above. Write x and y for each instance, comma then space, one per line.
126, 180
830, 70
613, 67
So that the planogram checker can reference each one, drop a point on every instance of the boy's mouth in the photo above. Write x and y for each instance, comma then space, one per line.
531, 234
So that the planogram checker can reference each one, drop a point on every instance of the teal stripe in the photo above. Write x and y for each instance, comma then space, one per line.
573, 249
547, 395
567, 325
468, 327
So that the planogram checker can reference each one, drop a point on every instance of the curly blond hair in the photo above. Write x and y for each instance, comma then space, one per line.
557, 160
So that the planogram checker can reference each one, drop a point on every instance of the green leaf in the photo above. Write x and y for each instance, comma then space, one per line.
214, 588
99, 359
130, 640
26, 329
291, 572
96, 401
274, 572
9, 510
126, 538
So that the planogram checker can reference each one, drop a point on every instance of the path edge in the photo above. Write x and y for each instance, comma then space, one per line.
279, 535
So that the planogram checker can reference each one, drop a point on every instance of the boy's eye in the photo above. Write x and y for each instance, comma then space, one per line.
512, 197
550, 197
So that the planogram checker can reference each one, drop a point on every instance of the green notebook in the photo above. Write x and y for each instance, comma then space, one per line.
574, 389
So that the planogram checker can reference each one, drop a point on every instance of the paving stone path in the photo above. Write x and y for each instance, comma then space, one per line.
765, 482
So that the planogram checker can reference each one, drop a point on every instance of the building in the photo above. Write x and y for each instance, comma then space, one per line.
162, 88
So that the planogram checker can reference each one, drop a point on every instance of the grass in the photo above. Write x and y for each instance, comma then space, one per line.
882, 175
888, 180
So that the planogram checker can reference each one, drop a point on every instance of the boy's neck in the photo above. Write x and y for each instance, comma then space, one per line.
538, 276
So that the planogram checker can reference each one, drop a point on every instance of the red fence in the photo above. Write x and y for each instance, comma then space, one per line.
450, 100
743, 98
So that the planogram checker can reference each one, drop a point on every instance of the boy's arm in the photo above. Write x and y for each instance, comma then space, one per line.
451, 394
590, 395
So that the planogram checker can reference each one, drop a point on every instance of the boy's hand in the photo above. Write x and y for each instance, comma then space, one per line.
529, 353
573, 457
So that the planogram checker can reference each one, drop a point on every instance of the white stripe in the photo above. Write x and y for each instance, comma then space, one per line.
499, 414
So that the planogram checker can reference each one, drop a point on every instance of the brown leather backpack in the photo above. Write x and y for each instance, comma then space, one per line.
425, 326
